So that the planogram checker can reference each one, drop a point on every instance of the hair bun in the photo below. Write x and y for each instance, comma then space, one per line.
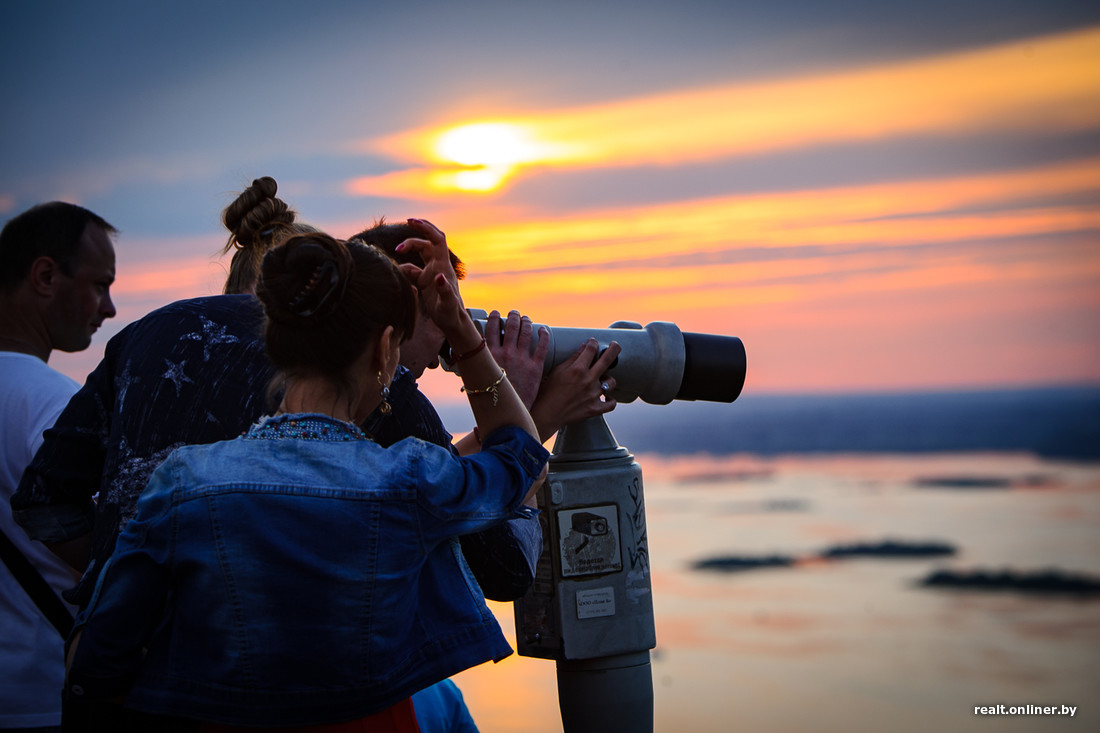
305, 278
254, 212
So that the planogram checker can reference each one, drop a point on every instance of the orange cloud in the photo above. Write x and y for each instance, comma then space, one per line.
171, 280
697, 289
878, 286
893, 214
1049, 84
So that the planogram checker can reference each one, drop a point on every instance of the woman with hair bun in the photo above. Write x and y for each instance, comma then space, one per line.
302, 575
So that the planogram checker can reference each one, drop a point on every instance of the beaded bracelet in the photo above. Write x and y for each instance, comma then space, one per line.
492, 388
455, 358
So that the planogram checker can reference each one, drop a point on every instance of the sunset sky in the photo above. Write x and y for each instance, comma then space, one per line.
873, 196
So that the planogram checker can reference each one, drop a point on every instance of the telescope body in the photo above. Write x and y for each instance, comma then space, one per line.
659, 363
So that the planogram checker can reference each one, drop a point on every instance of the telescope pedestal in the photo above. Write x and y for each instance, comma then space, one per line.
606, 694
591, 605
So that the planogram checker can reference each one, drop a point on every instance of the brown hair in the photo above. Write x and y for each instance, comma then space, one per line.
387, 236
257, 221
326, 301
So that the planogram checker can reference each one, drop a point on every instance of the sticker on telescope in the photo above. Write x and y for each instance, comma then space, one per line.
589, 544
596, 602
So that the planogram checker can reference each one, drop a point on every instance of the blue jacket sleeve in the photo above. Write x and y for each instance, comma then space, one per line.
503, 558
468, 494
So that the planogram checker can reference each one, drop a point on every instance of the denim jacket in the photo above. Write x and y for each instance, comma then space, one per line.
299, 574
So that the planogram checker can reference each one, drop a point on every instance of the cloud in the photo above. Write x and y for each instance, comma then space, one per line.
904, 213
879, 277
1049, 84
872, 278
162, 281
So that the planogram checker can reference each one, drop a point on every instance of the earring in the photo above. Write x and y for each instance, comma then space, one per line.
384, 407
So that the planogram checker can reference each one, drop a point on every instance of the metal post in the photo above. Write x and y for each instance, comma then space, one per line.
606, 694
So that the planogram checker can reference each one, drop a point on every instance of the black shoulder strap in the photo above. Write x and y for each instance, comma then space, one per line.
36, 587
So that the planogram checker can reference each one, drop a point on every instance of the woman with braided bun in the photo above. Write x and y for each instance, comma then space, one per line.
302, 575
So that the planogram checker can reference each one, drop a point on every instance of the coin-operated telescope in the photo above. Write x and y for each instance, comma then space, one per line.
659, 363
591, 605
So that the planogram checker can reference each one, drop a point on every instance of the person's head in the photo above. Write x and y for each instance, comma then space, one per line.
61, 257
257, 221
422, 350
337, 311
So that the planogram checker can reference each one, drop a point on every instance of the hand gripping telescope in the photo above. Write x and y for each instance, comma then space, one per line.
658, 363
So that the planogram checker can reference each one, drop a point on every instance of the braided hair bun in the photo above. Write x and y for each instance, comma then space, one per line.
326, 301
305, 279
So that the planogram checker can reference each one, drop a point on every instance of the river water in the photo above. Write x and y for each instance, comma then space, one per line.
853, 644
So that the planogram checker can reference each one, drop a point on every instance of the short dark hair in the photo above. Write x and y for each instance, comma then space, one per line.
47, 230
386, 237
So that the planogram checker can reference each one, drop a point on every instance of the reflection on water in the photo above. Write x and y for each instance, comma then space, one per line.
857, 644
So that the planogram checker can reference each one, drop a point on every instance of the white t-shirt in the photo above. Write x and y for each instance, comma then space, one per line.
32, 666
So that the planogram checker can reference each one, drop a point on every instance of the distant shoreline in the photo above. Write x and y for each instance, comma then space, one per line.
1051, 422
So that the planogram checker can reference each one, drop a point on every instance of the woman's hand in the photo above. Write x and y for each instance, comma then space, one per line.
514, 353
436, 237
438, 284
576, 390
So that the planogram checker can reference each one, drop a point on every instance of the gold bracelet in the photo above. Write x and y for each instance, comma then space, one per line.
492, 388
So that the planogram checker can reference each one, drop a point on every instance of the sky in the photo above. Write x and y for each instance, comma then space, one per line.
873, 196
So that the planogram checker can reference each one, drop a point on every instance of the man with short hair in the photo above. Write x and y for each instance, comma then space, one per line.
57, 265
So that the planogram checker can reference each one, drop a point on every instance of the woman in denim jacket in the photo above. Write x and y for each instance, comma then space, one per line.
302, 574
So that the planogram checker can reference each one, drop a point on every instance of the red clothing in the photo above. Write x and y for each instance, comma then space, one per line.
399, 718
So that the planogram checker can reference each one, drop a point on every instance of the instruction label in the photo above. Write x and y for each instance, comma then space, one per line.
596, 602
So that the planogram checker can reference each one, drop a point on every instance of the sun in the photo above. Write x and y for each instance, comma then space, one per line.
489, 145
481, 156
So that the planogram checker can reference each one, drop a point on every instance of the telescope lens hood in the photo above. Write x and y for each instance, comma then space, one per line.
714, 368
